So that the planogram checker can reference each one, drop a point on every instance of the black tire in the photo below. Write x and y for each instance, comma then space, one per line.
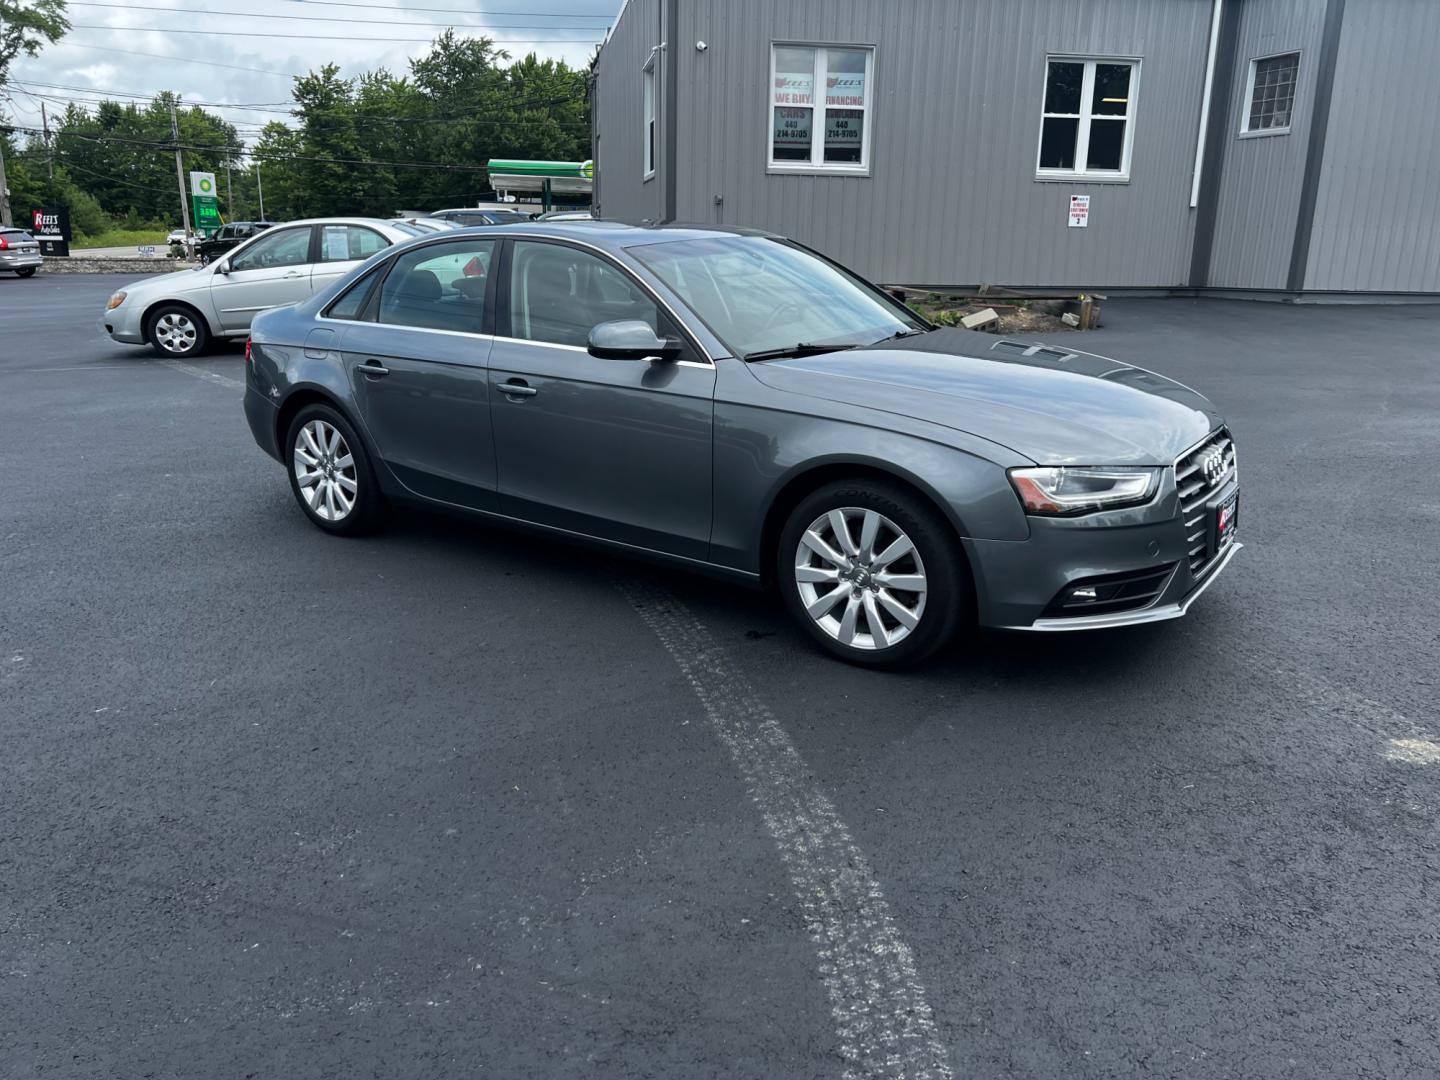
176, 331
936, 560
29, 271
368, 503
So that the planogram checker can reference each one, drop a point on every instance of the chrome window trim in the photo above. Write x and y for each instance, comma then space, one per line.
579, 349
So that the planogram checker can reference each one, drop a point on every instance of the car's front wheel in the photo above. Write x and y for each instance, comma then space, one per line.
874, 574
177, 331
330, 472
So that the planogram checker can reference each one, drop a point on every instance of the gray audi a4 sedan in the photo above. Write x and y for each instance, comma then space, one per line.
731, 401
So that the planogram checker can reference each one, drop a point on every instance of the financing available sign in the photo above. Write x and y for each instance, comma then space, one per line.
204, 202
52, 229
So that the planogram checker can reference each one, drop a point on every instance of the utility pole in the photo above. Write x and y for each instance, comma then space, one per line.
260, 190
49, 155
229, 191
180, 171
4, 190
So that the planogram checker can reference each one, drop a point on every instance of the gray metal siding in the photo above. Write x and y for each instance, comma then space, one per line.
619, 118
952, 197
1261, 176
1377, 226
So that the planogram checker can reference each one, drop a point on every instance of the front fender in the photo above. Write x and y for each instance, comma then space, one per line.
766, 441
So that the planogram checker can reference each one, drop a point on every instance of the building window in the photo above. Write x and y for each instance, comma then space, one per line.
807, 132
1086, 123
1271, 94
649, 78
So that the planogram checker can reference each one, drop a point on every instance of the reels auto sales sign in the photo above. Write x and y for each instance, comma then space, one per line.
52, 229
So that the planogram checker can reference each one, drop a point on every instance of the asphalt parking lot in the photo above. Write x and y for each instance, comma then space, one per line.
452, 801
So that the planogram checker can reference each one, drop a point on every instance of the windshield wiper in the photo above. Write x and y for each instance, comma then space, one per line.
803, 348
909, 332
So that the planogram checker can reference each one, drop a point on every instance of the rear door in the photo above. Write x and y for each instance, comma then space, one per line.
416, 357
342, 249
271, 270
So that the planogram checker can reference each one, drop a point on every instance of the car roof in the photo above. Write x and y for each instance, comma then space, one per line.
392, 222
610, 235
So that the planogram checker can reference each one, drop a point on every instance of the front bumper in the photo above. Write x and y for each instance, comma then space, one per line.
1017, 583
123, 324
1156, 612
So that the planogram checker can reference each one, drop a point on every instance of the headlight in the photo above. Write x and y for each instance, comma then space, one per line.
115, 301
1069, 489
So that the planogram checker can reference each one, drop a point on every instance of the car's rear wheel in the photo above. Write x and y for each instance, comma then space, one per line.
29, 271
177, 331
874, 574
330, 472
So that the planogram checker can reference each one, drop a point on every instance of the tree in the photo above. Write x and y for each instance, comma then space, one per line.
26, 25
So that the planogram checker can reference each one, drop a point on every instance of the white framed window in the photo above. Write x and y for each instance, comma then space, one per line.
814, 132
1270, 94
1087, 120
648, 78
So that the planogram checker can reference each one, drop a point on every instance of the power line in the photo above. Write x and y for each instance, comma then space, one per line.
453, 11
169, 144
333, 37
340, 18
68, 44
298, 112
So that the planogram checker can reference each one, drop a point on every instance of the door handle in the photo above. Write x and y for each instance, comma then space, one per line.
373, 367
517, 389
293, 273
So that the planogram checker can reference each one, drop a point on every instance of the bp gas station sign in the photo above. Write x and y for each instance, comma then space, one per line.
204, 202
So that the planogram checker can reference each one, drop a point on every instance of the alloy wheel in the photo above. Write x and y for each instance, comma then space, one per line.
176, 332
325, 471
860, 578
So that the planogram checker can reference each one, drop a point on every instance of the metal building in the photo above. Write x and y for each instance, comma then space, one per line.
1276, 147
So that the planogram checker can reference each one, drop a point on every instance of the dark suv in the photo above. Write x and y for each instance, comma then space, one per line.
228, 237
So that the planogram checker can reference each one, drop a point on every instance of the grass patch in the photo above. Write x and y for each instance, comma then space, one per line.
123, 238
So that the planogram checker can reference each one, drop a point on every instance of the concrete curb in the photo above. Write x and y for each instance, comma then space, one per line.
74, 265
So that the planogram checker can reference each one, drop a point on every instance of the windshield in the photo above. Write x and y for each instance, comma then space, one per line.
758, 294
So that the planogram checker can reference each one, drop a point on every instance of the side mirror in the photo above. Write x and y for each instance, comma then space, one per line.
630, 339
223, 267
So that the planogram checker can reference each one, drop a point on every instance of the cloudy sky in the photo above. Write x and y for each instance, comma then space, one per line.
246, 50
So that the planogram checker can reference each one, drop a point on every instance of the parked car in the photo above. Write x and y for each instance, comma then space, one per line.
731, 401
230, 235
177, 236
565, 215
429, 224
179, 313
473, 216
19, 252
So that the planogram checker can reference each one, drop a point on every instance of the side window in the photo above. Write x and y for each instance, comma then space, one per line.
287, 247
347, 243
439, 287
352, 301
558, 293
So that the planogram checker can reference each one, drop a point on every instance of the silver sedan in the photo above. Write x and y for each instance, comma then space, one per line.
179, 313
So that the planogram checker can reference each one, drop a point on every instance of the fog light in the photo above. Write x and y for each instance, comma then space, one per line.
1084, 592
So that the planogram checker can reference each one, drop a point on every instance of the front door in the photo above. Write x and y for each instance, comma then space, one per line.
618, 449
270, 270
416, 355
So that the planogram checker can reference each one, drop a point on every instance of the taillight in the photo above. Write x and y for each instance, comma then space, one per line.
247, 352
4, 244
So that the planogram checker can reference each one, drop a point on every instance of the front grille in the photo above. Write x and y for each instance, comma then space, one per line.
1195, 490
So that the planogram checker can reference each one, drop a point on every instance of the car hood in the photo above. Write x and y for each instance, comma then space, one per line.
173, 281
1056, 406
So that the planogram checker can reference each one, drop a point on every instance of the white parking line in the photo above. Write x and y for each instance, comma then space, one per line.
201, 373
884, 1022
